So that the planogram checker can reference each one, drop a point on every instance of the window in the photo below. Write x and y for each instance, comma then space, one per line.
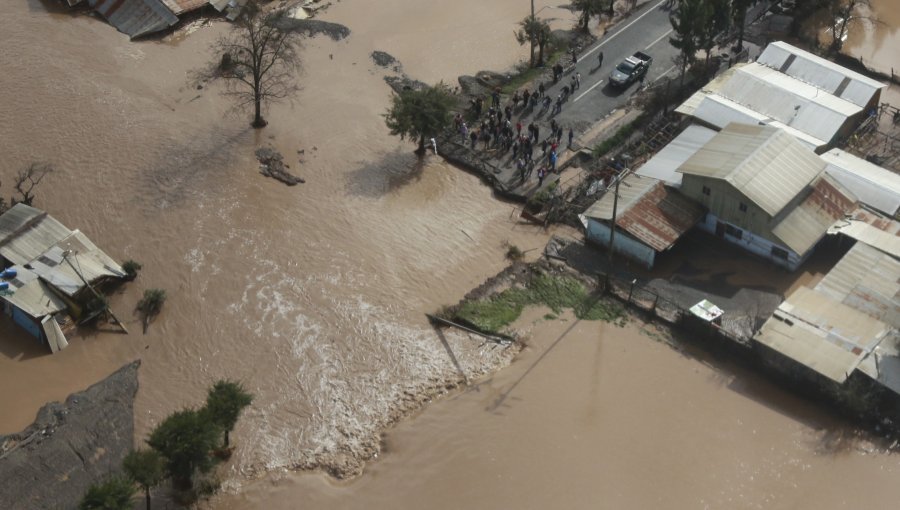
734, 232
742, 206
779, 253
706, 190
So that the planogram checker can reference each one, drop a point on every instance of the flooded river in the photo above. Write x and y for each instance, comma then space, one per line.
314, 295
876, 42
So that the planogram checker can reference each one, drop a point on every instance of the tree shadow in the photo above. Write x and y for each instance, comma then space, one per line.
393, 171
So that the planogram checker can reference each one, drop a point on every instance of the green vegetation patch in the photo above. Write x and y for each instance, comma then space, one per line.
556, 292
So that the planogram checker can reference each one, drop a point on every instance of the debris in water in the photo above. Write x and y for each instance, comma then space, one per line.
271, 164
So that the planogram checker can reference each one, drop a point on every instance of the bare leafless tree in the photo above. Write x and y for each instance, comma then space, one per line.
843, 14
26, 181
258, 59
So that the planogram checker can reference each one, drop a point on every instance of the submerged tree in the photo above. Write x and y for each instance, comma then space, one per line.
258, 59
224, 403
146, 468
843, 13
186, 439
537, 32
26, 181
417, 114
150, 305
113, 494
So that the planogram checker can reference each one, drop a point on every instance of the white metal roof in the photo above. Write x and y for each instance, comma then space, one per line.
787, 100
867, 280
821, 73
26, 232
822, 334
632, 188
764, 163
32, 295
76, 257
664, 164
872, 184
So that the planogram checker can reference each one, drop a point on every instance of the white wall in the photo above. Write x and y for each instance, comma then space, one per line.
598, 232
754, 244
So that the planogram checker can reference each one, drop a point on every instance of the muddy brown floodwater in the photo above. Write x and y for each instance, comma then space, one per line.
598, 416
314, 295
876, 43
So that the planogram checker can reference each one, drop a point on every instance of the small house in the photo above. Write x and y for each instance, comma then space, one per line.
49, 273
650, 217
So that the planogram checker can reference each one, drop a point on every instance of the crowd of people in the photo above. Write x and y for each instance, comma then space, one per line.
502, 129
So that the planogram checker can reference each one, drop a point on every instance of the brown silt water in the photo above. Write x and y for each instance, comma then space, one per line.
314, 296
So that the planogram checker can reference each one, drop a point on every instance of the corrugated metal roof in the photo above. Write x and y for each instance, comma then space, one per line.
870, 228
89, 261
820, 73
631, 189
26, 232
809, 220
135, 17
664, 164
660, 217
649, 211
766, 164
872, 184
788, 100
822, 334
867, 280
31, 295
183, 6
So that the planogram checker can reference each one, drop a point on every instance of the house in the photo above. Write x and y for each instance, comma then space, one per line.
816, 101
48, 273
650, 217
849, 322
764, 191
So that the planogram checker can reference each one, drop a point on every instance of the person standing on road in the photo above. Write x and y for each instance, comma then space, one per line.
600, 60
574, 56
571, 137
541, 90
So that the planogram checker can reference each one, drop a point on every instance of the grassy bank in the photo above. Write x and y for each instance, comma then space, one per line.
557, 292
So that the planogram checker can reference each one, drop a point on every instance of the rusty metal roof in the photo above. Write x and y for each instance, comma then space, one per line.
135, 17
649, 211
869, 227
809, 220
867, 280
660, 217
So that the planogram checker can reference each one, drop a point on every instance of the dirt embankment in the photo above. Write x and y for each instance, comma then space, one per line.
69, 446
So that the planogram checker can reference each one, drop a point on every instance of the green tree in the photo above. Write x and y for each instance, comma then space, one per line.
224, 402
537, 32
684, 25
419, 113
117, 493
713, 19
587, 9
146, 468
186, 439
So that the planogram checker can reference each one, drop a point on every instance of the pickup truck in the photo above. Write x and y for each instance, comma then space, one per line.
630, 70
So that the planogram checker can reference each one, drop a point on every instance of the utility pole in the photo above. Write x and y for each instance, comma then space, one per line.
612, 227
532, 35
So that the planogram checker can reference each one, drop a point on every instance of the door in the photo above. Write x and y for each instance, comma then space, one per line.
720, 229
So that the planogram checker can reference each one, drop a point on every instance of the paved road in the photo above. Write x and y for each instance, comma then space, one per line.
648, 30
